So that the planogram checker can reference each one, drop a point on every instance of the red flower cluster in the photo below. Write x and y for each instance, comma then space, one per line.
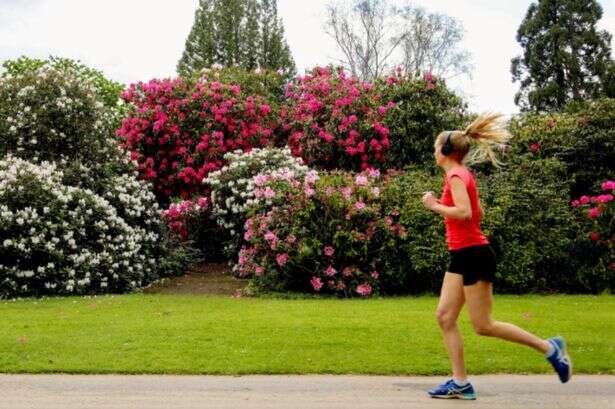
178, 132
601, 217
336, 122
179, 216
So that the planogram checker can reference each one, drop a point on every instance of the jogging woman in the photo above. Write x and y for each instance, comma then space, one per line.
470, 275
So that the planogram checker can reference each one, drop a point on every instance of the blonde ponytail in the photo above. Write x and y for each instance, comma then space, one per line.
489, 132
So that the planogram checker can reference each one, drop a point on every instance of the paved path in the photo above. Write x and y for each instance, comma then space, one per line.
295, 392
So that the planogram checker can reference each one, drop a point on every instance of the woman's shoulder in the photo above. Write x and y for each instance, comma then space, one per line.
461, 171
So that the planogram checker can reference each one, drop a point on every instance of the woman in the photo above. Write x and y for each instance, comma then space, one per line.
470, 276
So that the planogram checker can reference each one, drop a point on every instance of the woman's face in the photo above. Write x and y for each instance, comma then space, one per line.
437, 153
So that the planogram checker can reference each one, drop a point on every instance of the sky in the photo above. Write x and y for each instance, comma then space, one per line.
137, 40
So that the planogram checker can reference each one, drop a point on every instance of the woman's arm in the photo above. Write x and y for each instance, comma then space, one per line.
461, 210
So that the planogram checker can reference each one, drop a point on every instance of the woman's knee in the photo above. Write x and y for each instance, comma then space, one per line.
446, 318
484, 328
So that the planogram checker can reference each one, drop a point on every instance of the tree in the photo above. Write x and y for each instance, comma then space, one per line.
565, 57
275, 52
246, 33
431, 44
375, 37
200, 46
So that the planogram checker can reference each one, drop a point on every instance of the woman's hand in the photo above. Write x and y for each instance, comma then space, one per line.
429, 200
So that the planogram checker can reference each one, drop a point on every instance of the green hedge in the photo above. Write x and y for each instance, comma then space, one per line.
582, 137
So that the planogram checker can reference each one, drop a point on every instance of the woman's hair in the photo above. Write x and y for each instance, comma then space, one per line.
479, 141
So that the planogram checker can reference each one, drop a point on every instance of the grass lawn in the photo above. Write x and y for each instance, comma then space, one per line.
154, 333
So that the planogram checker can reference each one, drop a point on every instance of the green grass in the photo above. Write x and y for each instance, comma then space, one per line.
142, 333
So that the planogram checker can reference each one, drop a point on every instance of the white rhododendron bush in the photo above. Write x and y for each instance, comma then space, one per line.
51, 114
235, 188
74, 217
62, 239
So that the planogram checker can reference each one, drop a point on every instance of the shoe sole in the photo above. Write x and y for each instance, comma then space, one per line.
463, 397
565, 351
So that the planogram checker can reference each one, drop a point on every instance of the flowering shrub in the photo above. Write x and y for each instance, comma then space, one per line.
424, 108
599, 212
267, 83
325, 234
107, 90
336, 122
233, 188
581, 137
52, 114
59, 239
178, 132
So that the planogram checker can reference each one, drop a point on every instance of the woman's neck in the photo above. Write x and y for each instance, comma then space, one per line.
450, 164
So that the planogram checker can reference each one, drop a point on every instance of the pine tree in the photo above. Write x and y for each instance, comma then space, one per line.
200, 46
246, 33
251, 39
565, 57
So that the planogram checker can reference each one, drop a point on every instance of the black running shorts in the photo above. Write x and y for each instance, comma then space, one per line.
473, 263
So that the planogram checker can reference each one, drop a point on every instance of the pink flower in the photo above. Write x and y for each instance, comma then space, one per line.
259, 270
430, 85
428, 77
203, 202
291, 239
316, 283
329, 250
372, 172
359, 205
309, 192
584, 200
375, 275
535, 147
265, 109
347, 272
282, 258
608, 185
604, 198
269, 193
248, 235
593, 212
330, 271
259, 180
347, 192
270, 236
361, 180
576, 203
311, 177
364, 289
594, 236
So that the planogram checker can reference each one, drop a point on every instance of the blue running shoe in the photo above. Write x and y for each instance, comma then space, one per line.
560, 359
450, 390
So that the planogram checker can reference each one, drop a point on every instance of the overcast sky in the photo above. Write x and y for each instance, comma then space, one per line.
132, 40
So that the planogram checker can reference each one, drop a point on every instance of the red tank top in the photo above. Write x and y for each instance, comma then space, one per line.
462, 233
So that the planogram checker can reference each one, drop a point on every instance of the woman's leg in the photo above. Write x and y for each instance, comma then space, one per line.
479, 298
449, 306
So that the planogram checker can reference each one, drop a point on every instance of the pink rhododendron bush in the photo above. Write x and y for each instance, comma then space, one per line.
234, 189
178, 132
325, 234
598, 213
335, 121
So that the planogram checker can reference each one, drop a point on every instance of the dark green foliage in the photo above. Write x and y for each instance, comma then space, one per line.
582, 137
422, 112
245, 33
564, 57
